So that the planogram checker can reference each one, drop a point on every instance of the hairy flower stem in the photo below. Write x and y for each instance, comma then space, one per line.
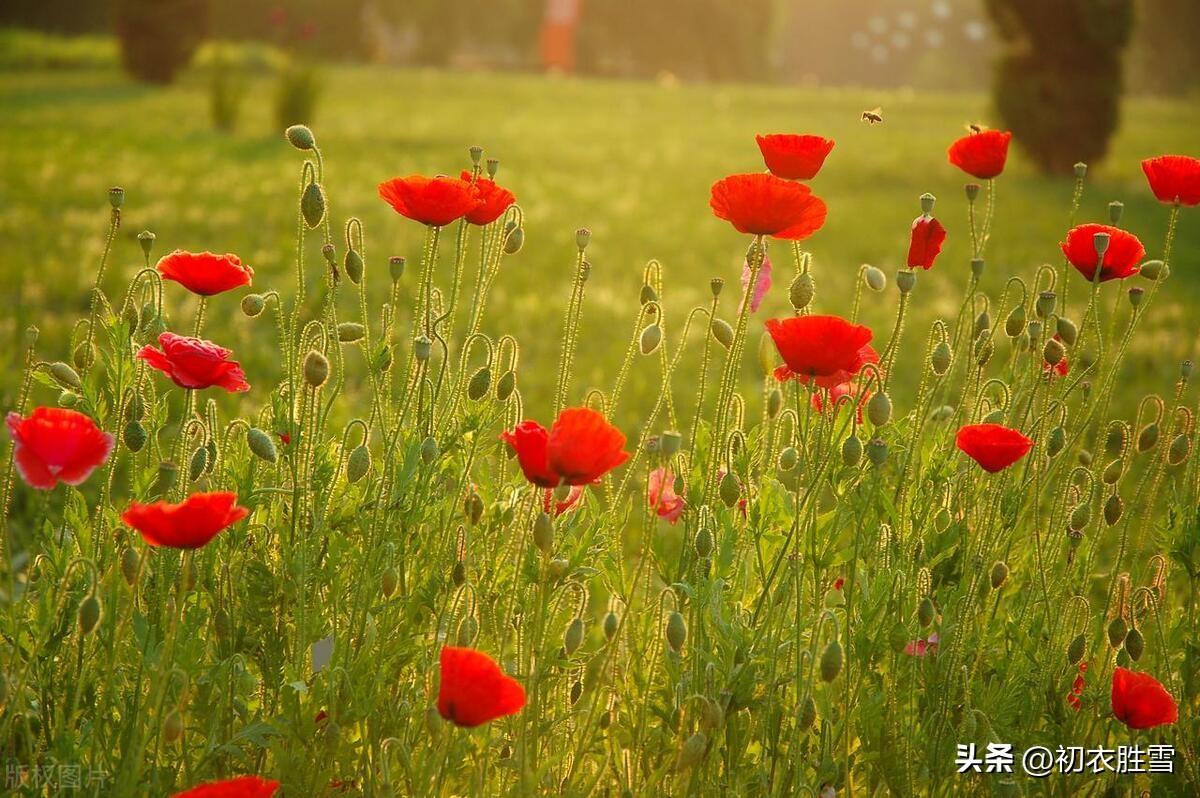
114, 223
570, 337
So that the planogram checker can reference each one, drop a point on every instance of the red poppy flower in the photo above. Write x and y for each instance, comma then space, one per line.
1174, 178
195, 363
925, 242
473, 689
241, 787
1077, 688
579, 449
496, 200
836, 393
827, 349
1140, 702
839, 583
435, 201
762, 204
994, 446
922, 646
188, 525
1121, 258
981, 154
794, 157
570, 503
57, 445
661, 495
205, 273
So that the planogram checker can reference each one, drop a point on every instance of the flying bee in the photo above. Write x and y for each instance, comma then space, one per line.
873, 117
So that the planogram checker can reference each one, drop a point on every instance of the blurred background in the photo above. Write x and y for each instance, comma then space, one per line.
614, 114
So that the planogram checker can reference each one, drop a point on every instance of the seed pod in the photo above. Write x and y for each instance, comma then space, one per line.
573, 637
353, 265
1044, 306
358, 464
704, 543
468, 628
1116, 631
1075, 649
879, 409
831, 661
131, 562
692, 752
906, 280
715, 285
312, 205
429, 450
939, 359
898, 637
999, 574
1134, 644
1136, 294
89, 613
1179, 450
877, 452
1148, 437
66, 376
651, 338
802, 290
676, 631
582, 237
388, 581
722, 332
808, 713
396, 268
788, 458
611, 625
262, 444
1112, 472
1114, 508
543, 533
480, 382
1014, 325
198, 464
729, 489
1056, 441
172, 728
348, 332
926, 611
514, 241
671, 442
134, 436
774, 403
852, 451
1154, 270
875, 279
300, 137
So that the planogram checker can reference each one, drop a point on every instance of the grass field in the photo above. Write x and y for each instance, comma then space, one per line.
631, 161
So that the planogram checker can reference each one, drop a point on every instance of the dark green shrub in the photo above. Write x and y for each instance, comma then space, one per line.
158, 37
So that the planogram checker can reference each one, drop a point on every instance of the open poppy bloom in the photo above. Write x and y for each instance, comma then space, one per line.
922, 646
195, 363
188, 525
1121, 258
204, 273
435, 201
925, 242
241, 787
495, 200
579, 449
57, 445
1174, 178
826, 349
766, 205
993, 446
473, 689
831, 396
794, 157
660, 494
1140, 701
982, 154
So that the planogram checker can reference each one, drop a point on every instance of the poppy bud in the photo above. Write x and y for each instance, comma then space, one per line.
473, 508
788, 458
808, 712
1080, 170
131, 562
831, 661
1116, 631
543, 533
651, 338
514, 239
879, 409
898, 637
1113, 509
1179, 450
1114, 442
905, 280
1135, 296
253, 304
348, 332
704, 543
1066, 330
262, 444
573, 637
1085, 458
1148, 437
1154, 270
1055, 441
1112, 472
942, 519
802, 290
134, 436
927, 201
300, 137
711, 715
68, 399
852, 451
480, 382
146, 241
312, 205
983, 322
388, 582
429, 450
877, 452
676, 631
329, 253
1014, 325
65, 375
1101, 241
358, 464
671, 441
353, 265
1135, 644
692, 752
89, 614
972, 190
774, 403
1080, 517
316, 368
648, 294
172, 728
722, 332
926, 611
983, 348
875, 279
1053, 352
976, 268
939, 359
396, 267
729, 490
505, 385
458, 574
198, 464
999, 574
1075, 649
611, 625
